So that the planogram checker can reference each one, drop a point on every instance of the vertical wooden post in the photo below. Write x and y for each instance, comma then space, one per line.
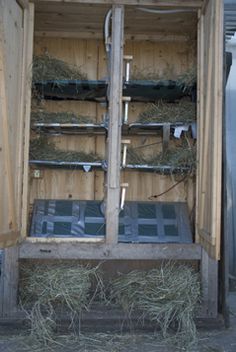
28, 56
209, 285
9, 282
114, 130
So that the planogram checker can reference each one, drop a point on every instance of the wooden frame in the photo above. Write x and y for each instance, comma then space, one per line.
97, 249
60, 249
159, 3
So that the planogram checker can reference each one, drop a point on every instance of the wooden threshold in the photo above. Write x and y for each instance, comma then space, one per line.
73, 249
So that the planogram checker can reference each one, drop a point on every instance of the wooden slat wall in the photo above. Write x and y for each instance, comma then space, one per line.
210, 128
90, 55
64, 184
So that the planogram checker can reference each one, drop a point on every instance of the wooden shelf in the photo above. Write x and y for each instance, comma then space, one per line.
72, 165
96, 90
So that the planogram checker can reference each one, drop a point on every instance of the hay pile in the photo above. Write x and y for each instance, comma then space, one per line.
168, 296
169, 112
43, 149
183, 155
56, 288
185, 80
46, 67
42, 116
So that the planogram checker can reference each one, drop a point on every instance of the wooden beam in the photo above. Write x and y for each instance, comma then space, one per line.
9, 282
158, 3
209, 286
115, 122
28, 58
97, 251
8, 239
99, 35
4, 113
204, 6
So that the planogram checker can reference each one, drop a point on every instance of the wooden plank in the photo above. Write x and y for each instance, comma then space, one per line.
204, 6
120, 251
9, 238
159, 3
165, 37
4, 113
200, 114
207, 123
9, 282
209, 286
14, 21
218, 128
208, 222
28, 57
114, 130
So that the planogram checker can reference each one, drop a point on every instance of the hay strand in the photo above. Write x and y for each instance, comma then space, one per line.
46, 67
42, 116
169, 112
168, 296
183, 155
43, 149
56, 287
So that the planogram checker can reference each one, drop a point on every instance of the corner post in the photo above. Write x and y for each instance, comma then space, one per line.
115, 122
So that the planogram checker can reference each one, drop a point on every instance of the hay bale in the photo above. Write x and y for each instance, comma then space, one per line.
43, 149
168, 296
169, 112
42, 116
46, 67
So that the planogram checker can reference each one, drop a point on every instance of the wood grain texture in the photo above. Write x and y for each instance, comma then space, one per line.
209, 186
76, 250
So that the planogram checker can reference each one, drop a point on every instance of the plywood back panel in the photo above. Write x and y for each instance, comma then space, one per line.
160, 57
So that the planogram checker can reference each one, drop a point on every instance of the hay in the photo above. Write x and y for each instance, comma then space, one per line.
168, 296
43, 149
46, 67
169, 112
42, 116
56, 287
185, 80
183, 155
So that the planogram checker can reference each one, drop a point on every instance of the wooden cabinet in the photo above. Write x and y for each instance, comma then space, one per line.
190, 34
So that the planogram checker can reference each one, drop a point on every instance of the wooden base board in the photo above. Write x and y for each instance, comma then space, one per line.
59, 249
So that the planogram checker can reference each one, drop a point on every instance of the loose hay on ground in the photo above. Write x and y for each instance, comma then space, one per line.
168, 296
47, 289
